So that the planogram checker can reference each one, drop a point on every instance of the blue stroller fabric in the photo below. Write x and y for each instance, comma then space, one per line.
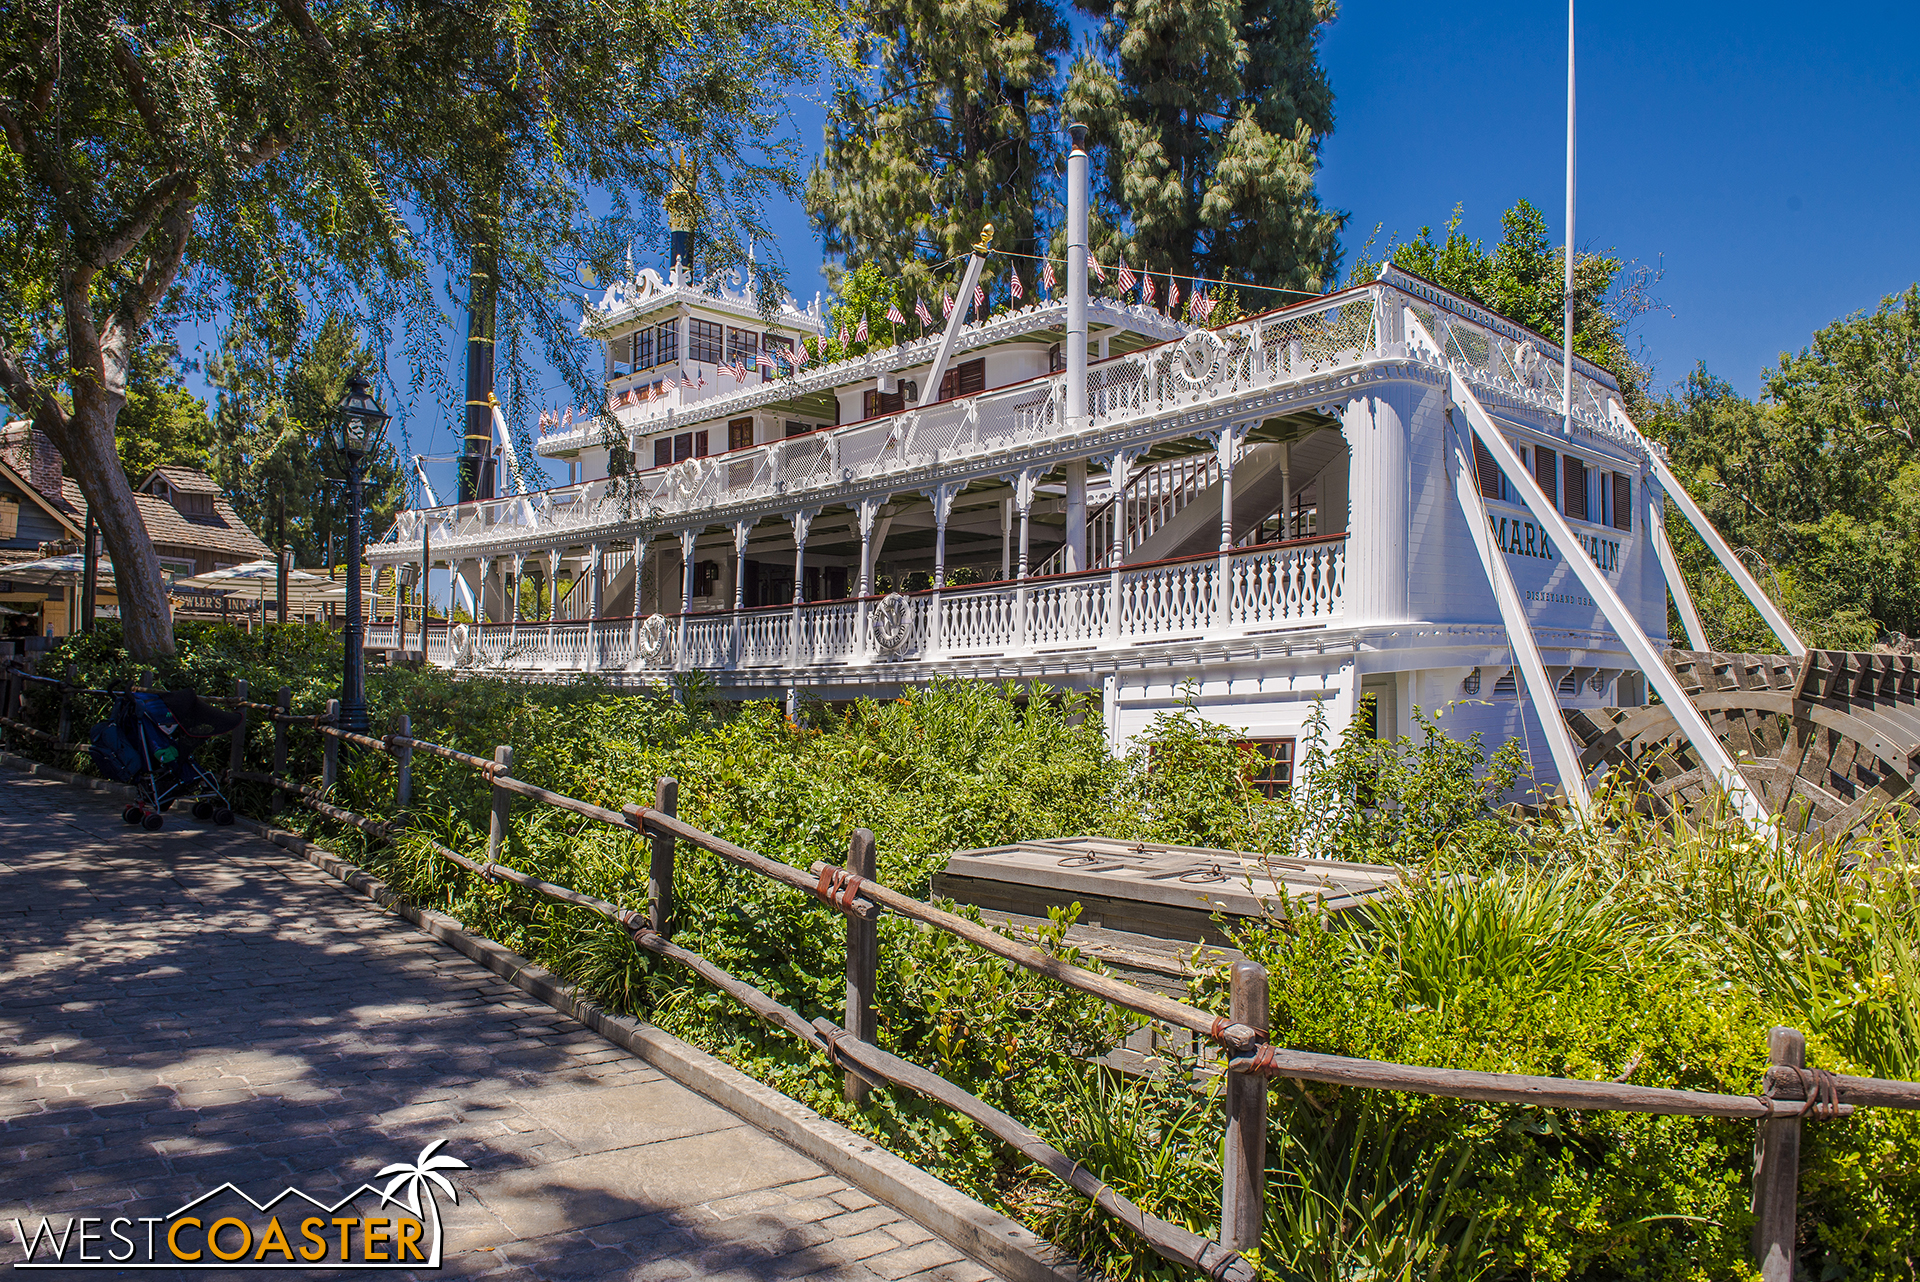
149, 737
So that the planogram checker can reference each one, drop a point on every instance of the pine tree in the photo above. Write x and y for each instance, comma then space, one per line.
949, 128
1208, 116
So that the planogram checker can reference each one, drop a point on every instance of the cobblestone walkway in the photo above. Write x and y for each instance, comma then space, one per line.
193, 1006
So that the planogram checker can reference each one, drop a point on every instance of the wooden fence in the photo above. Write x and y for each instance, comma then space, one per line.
1789, 1095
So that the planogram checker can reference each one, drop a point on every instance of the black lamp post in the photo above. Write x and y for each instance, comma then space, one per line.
361, 422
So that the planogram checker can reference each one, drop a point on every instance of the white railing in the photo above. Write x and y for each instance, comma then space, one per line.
1166, 382
1282, 585
763, 637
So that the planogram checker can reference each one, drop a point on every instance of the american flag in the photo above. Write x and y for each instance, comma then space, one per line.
979, 301
653, 392
765, 359
1201, 307
1018, 292
1047, 278
686, 380
1173, 295
1147, 286
920, 310
801, 356
860, 331
1127, 278
1099, 272
567, 417
893, 314
845, 338
946, 303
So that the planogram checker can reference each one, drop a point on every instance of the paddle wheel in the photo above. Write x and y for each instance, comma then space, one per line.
1829, 741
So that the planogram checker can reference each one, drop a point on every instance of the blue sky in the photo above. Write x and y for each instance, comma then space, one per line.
1763, 155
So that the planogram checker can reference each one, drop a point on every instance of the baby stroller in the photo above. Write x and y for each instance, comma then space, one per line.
148, 741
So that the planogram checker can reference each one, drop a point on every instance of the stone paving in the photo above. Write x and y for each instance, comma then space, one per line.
196, 1005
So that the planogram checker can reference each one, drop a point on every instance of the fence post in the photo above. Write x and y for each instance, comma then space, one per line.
237, 752
666, 799
863, 962
403, 771
1776, 1170
285, 700
1243, 1183
502, 799
64, 727
12, 704
330, 749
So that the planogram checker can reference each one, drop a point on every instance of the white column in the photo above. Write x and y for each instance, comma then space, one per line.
553, 585
1228, 445
1119, 466
1024, 486
595, 590
1023, 491
1286, 491
1076, 559
942, 497
640, 542
866, 511
513, 609
1380, 497
687, 538
740, 531
480, 598
1006, 539
802, 522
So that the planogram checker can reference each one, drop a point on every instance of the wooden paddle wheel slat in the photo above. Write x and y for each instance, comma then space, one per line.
1830, 742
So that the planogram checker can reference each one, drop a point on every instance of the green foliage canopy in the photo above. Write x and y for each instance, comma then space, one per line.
349, 154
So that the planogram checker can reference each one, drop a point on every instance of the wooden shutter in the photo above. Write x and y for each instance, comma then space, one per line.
662, 452
875, 403
683, 446
1486, 469
1622, 501
964, 380
1546, 471
699, 444
739, 433
1574, 485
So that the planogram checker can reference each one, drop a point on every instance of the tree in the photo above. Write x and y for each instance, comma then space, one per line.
348, 153
1523, 278
162, 424
1818, 484
1208, 116
271, 414
943, 127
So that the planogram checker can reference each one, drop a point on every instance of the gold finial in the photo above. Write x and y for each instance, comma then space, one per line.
986, 239
683, 197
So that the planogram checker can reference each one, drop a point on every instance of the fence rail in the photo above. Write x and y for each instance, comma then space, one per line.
1790, 1092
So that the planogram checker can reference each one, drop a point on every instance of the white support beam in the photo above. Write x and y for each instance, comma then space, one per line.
1713, 754
1670, 567
961, 307
1513, 612
1721, 552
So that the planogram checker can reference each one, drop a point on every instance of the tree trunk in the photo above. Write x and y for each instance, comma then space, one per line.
85, 441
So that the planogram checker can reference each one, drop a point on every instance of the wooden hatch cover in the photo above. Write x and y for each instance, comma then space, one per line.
1151, 889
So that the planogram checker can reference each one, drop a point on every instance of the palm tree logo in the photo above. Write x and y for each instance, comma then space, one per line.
416, 1180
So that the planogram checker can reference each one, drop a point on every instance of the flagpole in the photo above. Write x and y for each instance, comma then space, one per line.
1566, 323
